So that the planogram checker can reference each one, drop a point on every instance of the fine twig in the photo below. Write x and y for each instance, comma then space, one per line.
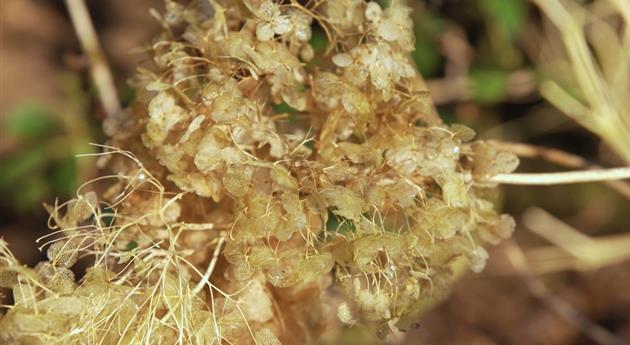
559, 157
213, 262
99, 69
568, 177
551, 155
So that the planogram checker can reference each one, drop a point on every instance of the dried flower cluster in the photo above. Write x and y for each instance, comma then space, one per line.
256, 179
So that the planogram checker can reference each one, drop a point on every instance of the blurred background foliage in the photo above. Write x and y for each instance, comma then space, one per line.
483, 61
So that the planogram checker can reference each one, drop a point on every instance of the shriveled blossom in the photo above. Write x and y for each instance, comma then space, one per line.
254, 198
273, 22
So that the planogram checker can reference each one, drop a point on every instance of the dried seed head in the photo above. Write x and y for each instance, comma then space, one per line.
271, 172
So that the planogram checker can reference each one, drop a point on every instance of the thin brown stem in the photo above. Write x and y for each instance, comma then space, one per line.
568, 177
562, 158
556, 156
99, 69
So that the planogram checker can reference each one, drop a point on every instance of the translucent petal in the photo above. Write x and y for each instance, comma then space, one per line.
264, 32
342, 59
373, 11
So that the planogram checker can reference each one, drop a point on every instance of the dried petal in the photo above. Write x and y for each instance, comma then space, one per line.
342, 59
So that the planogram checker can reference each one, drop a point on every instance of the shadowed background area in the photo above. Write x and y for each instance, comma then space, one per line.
483, 61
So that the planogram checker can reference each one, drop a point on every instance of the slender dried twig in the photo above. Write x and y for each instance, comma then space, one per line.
568, 177
213, 262
559, 157
98, 64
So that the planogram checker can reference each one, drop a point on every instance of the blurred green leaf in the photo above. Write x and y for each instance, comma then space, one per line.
310, 144
64, 176
427, 58
127, 95
427, 29
488, 85
319, 41
132, 245
509, 15
448, 114
29, 121
384, 3
339, 224
29, 176
30, 192
282, 108
16, 167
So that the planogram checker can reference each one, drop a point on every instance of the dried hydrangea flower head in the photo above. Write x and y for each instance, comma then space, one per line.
256, 173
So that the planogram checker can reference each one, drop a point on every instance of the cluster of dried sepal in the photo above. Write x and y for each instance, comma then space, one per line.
236, 223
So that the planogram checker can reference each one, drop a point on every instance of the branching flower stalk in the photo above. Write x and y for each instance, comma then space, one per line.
261, 189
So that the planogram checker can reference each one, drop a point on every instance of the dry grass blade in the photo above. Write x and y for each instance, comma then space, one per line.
602, 104
583, 251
